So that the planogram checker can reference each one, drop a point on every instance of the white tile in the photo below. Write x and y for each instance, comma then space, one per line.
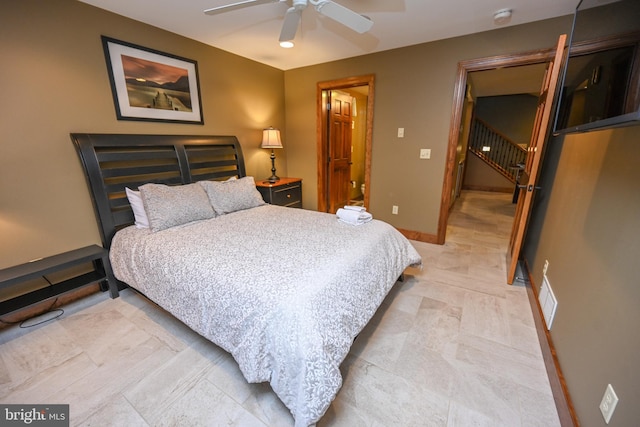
386, 399
462, 416
169, 382
46, 383
490, 358
103, 334
115, 412
87, 394
27, 352
381, 341
204, 405
538, 408
486, 316
493, 397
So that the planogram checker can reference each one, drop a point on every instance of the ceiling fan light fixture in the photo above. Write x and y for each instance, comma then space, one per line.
292, 18
290, 25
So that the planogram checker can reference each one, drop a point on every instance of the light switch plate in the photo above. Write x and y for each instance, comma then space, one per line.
425, 153
400, 132
608, 404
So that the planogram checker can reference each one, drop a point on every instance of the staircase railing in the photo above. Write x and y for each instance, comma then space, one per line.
498, 151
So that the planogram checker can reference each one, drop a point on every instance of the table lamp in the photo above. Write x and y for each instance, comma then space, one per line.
271, 139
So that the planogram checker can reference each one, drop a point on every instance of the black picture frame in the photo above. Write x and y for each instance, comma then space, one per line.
149, 85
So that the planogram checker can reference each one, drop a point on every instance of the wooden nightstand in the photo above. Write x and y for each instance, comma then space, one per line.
286, 192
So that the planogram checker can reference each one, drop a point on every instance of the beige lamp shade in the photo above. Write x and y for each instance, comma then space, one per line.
271, 138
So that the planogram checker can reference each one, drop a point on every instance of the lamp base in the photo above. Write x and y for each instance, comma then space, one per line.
273, 178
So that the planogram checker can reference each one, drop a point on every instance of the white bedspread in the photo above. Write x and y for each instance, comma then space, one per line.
284, 290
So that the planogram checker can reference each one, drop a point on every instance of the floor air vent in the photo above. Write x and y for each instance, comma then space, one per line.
548, 302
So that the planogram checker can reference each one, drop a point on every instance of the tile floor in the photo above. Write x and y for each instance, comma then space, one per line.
452, 345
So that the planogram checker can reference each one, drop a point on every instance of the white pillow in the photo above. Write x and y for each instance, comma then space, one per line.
135, 200
232, 195
168, 206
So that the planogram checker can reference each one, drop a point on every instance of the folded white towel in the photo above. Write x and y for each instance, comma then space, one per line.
355, 208
353, 217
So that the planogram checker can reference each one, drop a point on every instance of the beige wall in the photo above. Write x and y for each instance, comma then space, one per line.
587, 225
478, 175
54, 81
413, 90
511, 115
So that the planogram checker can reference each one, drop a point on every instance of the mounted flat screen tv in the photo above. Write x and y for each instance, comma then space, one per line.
601, 82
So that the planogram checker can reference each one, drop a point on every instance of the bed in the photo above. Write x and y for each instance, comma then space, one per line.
285, 291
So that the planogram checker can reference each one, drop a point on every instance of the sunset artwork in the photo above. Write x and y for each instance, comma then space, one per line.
151, 85
155, 85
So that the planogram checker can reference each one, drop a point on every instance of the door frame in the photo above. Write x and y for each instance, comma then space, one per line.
322, 143
459, 92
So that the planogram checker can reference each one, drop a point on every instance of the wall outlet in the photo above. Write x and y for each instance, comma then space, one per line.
608, 404
546, 267
425, 153
400, 132
394, 210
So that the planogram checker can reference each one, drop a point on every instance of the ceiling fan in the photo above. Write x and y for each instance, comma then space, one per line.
335, 11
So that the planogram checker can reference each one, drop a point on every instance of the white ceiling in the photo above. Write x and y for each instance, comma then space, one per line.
253, 32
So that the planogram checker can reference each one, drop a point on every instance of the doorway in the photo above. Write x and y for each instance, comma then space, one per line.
460, 116
344, 138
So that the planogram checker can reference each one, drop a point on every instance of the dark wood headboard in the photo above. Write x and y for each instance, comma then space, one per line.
112, 162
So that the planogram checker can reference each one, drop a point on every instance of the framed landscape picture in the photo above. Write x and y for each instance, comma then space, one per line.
151, 85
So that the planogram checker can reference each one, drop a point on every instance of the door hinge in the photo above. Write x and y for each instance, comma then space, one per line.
328, 106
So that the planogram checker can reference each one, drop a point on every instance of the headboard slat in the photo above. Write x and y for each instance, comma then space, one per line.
140, 153
134, 170
133, 182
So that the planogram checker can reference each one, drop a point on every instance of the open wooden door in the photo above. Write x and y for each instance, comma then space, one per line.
326, 147
339, 149
529, 177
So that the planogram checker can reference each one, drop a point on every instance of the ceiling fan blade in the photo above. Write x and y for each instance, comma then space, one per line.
237, 5
347, 17
290, 24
